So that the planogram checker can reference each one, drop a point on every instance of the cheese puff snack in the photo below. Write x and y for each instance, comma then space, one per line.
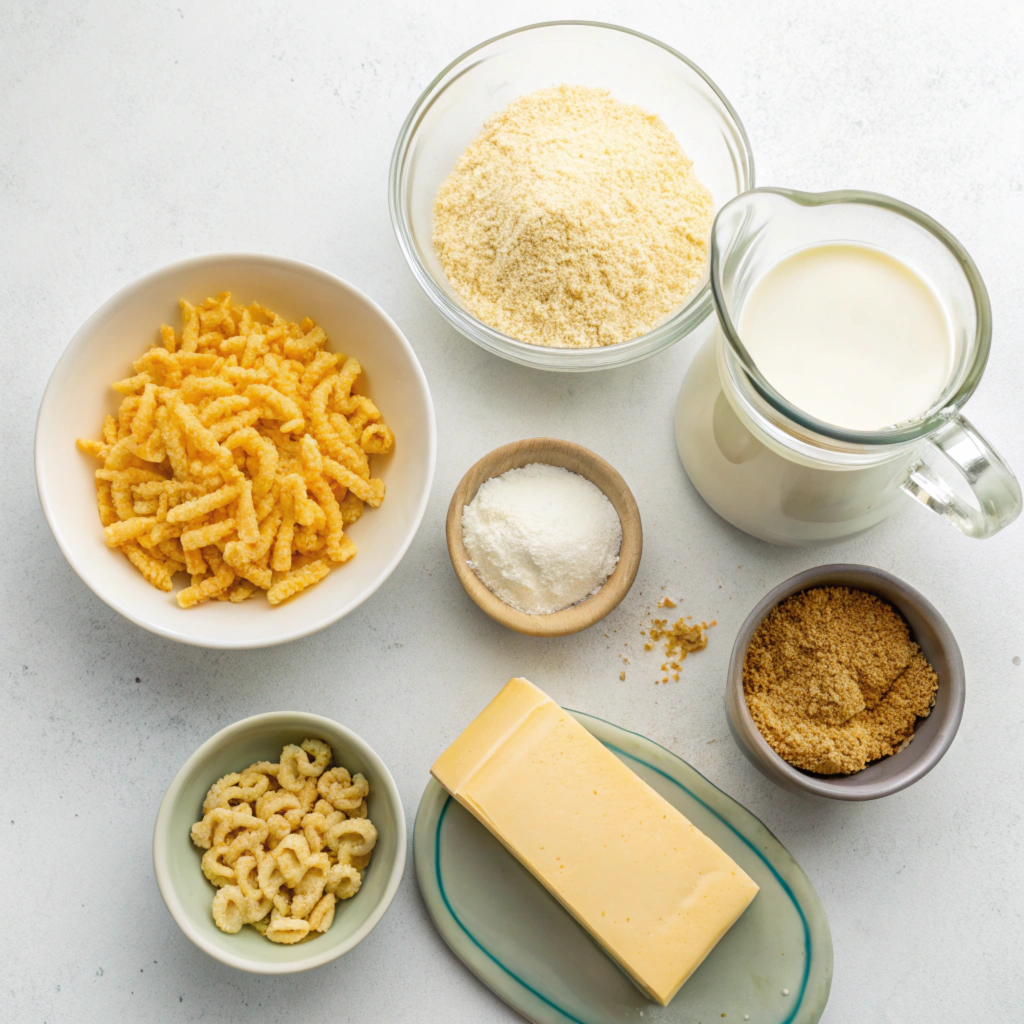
239, 455
285, 842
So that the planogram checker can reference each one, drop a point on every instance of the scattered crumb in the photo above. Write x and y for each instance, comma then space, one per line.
679, 639
622, 677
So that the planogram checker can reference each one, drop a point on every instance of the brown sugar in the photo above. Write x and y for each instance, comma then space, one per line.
680, 639
833, 680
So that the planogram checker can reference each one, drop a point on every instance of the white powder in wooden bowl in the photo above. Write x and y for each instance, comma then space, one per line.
573, 221
541, 538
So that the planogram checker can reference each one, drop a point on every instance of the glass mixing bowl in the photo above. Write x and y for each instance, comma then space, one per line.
635, 69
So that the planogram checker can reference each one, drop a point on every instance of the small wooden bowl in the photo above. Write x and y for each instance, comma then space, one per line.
576, 459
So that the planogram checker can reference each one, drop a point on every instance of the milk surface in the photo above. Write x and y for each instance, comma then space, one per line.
850, 335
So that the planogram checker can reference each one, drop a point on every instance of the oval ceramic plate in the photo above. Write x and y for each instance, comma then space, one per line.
773, 967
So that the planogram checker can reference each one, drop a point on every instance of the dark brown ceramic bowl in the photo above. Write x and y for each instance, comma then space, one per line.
933, 734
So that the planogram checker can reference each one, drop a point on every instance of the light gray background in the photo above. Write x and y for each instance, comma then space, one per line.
132, 135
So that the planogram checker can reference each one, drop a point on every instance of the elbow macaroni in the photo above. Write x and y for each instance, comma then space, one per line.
284, 842
239, 455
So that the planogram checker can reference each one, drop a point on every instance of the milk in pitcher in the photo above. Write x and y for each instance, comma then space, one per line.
850, 335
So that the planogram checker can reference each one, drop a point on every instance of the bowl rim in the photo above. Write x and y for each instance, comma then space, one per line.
684, 321
748, 736
162, 827
78, 343
568, 620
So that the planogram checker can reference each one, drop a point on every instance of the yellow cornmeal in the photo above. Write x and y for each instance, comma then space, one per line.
833, 680
573, 221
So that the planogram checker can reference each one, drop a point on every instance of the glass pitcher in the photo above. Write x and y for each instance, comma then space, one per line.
779, 474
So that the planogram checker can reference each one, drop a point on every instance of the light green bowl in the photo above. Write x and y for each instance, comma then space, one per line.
176, 861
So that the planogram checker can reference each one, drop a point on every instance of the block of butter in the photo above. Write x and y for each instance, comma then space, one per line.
650, 887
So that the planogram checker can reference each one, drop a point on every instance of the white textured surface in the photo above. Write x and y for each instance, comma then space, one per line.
136, 134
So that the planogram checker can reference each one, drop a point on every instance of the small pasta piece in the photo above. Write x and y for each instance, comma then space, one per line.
167, 337
204, 536
377, 439
241, 590
223, 429
281, 554
221, 408
353, 837
341, 790
98, 449
351, 508
105, 503
109, 429
335, 528
229, 909
145, 417
308, 891
346, 378
245, 515
128, 529
154, 571
197, 507
215, 869
190, 327
321, 917
257, 575
195, 564
132, 385
240, 554
288, 930
297, 581
343, 881
371, 491
223, 577
296, 766
320, 366
281, 406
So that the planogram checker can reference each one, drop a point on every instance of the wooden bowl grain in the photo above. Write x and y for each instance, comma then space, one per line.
576, 459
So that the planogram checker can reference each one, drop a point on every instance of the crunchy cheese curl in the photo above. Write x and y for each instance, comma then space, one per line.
239, 455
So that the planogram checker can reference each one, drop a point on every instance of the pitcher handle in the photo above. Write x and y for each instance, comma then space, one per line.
981, 497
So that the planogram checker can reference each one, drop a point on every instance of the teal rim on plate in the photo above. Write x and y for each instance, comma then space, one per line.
523, 945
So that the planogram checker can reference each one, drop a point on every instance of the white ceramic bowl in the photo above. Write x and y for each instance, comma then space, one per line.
79, 395
177, 861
